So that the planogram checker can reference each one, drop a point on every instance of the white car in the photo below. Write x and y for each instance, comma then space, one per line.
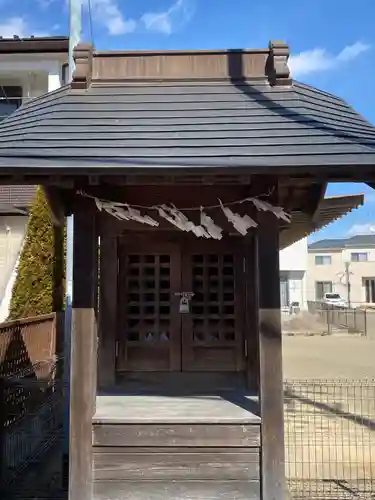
335, 299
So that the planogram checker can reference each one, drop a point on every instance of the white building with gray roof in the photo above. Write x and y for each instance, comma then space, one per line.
345, 266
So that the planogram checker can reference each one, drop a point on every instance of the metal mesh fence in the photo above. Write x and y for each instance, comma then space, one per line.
31, 418
31, 406
330, 439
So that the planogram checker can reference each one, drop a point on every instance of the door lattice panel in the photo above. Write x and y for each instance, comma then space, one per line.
146, 325
213, 303
212, 332
148, 305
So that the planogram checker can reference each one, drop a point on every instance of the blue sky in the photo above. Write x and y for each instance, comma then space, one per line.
332, 44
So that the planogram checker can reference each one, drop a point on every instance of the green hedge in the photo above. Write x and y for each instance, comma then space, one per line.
32, 292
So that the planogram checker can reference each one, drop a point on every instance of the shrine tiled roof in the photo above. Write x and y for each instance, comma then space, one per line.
179, 110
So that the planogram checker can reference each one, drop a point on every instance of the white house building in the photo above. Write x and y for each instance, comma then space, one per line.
293, 268
29, 67
296, 284
345, 266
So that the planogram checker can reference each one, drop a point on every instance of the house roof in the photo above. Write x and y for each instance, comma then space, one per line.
34, 44
358, 241
185, 109
16, 199
329, 210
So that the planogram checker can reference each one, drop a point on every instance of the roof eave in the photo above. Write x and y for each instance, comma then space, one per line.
268, 166
34, 45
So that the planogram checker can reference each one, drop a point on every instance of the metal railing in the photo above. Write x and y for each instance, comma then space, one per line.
353, 320
330, 439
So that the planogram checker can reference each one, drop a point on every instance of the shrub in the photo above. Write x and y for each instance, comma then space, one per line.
33, 289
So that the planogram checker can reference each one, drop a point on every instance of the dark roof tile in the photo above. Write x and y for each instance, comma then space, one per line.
360, 240
329, 210
16, 197
204, 123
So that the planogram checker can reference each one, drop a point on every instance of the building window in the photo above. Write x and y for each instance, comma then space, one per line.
321, 288
369, 284
284, 292
65, 74
359, 257
10, 100
323, 260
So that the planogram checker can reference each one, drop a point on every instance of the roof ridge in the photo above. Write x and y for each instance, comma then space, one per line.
297, 83
270, 64
336, 131
335, 98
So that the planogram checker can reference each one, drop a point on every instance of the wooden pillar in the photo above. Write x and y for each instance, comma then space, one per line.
270, 360
83, 354
108, 311
3, 417
251, 312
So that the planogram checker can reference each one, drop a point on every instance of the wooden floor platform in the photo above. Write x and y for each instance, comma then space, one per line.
230, 407
180, 447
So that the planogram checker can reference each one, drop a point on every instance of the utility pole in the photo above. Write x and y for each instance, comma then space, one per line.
347, 276
75, 33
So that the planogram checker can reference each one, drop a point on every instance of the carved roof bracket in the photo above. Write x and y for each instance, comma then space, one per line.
277, 65
82, 55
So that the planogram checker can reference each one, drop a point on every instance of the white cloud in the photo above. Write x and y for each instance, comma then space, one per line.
170, 20
14, 26
312, 61
108, 13
18, 25
45, 4
352, 51
368, 228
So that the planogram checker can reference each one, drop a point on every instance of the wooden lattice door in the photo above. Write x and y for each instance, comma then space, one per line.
150, 326
154, 333
212, 333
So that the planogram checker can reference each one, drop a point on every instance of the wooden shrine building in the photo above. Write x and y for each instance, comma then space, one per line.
219, 160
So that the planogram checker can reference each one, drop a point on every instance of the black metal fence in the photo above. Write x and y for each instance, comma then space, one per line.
353, 320
31, 404
31, 424
330, 439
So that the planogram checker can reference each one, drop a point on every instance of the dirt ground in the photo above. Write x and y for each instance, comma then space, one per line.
328, 357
